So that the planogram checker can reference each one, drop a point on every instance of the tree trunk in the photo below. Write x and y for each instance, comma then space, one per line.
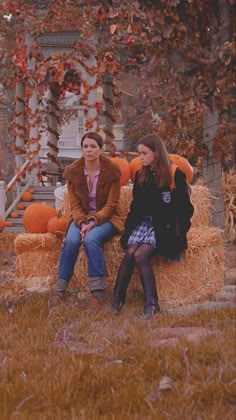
109, 111
212, 169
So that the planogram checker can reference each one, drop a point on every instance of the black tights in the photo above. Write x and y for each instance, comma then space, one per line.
141, 256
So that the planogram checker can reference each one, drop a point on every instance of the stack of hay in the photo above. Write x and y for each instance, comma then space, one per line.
198, 276
7, 241
229, 188
37, 256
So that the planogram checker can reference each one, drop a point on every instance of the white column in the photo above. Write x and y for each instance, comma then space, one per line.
92, 95
34, 136
53, 134
2, 199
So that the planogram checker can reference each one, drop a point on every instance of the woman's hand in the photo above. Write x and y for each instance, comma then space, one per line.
85, 228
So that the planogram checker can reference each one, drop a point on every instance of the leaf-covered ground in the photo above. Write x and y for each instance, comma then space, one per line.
77, 364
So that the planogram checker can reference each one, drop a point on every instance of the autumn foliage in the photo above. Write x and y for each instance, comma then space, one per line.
178, 56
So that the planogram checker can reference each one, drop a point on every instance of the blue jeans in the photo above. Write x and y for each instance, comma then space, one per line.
93, 245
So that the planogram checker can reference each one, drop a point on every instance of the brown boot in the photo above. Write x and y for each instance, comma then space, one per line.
94, 303
55, 302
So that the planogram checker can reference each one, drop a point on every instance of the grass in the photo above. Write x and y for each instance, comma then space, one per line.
75, 364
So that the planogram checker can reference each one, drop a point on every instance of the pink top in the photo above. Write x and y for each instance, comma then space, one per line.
92, 194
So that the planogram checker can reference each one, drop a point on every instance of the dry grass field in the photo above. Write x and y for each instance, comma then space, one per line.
77, 364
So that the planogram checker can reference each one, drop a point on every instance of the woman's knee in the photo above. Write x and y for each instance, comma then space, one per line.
71, 243
129, 254
140, 257
91, 241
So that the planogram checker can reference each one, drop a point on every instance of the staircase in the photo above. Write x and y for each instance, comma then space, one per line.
41, 194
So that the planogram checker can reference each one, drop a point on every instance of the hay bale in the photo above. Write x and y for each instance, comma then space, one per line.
229, 189
7, 241
200, 197
198, 276
37, 258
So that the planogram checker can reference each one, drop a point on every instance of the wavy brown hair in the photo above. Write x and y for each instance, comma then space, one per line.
161, 165
94, 136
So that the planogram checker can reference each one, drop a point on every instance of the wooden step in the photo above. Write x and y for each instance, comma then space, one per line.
13, 228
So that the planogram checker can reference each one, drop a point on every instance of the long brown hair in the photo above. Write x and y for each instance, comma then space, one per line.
161, 166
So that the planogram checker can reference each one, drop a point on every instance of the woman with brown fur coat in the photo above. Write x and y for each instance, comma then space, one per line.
93, 183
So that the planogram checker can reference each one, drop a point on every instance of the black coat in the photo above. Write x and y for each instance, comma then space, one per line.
171, 212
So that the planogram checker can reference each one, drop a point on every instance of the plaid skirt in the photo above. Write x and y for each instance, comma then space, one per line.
143, 233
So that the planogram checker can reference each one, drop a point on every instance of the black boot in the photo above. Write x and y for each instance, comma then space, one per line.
122, 281
151, 305
119, 294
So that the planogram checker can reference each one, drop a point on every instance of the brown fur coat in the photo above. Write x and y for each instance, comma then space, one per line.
107, 194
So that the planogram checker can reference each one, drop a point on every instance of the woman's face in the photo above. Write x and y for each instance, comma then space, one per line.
90, 149
147, 156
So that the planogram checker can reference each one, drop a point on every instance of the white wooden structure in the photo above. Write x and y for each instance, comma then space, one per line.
70, 134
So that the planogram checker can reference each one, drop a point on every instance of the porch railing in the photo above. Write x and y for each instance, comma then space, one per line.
18, 191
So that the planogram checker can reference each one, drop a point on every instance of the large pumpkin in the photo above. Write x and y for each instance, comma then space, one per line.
57, 225
135, 165
180, 161
36, 217
2, 224
124, 168
184, 165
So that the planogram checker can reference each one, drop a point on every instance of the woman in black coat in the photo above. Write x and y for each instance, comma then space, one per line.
157, 223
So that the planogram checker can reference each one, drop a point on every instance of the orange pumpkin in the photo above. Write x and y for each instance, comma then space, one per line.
57, 225
135, 165
2, 224
26, 196
36, 217
8, 223
14, 215
124, 167
20, 206
183, 164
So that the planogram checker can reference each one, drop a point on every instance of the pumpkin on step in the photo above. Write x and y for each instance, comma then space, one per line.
26, 196
57, 225
20, 206
2, 224
36, 217
14, 215
8, 223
